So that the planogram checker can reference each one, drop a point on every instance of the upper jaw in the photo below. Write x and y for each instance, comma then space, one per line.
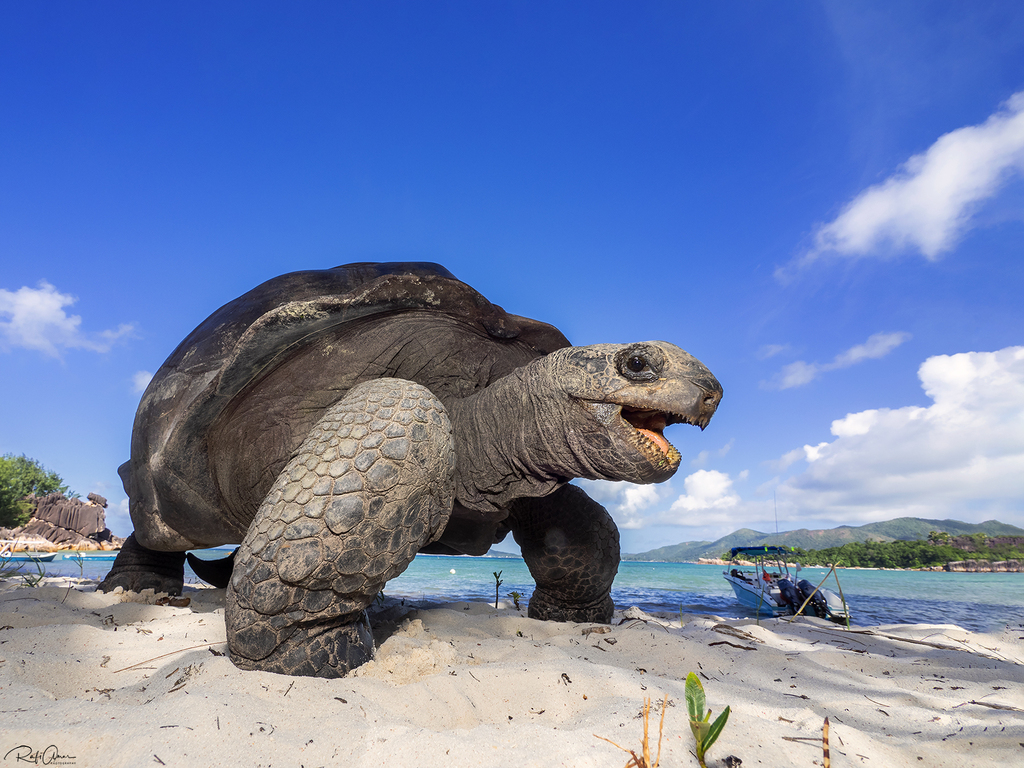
640, 417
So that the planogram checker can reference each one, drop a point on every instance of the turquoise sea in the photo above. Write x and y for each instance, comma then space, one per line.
981, 602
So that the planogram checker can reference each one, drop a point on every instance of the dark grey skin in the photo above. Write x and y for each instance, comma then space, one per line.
334, 423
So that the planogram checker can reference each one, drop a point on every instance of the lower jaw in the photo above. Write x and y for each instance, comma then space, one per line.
663, 471
658, 467
659, 458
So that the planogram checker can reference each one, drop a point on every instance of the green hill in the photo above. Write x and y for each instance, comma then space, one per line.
900, 529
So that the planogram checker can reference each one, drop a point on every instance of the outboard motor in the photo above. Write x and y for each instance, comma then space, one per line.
817, 602
790, 596
838, 611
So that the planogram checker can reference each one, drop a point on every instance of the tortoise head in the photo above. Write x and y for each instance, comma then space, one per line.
618, 399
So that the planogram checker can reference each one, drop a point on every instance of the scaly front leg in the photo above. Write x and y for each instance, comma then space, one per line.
371, 484
571, 546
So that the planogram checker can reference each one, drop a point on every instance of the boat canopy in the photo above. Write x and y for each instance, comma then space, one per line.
760, 551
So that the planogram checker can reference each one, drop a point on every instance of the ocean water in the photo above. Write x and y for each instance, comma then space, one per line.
982, 602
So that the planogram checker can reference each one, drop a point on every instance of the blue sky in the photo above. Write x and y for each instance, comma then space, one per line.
823, 201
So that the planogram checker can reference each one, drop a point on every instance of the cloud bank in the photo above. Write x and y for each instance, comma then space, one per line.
708, 499
34, 318
961, 457
927, 205
799, 373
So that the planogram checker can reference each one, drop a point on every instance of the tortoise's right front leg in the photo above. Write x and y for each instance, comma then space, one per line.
371, 484
571, 546
137, 568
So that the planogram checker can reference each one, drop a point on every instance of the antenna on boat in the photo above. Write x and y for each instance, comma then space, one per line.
776, 505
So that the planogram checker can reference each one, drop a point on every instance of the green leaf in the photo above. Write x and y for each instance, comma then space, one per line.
700, 730
694, 698
697, 735
716, 728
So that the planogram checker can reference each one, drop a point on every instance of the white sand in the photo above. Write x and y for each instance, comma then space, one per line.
109, 683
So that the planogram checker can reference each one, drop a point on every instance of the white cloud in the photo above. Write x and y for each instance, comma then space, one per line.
797, 374
783, 463
34, 318
140, 381
800, 372
771, 350
961, 457
878, 345
813, 452
119, 520
702, 458
627, 503
706, 489
928, 203
636, 499
708, 500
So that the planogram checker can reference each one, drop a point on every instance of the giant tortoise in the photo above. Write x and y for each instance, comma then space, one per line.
336, 422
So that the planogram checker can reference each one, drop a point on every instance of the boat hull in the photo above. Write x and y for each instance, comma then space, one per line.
763, 602
21, 557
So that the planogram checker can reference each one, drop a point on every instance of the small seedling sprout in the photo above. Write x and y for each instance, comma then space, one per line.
8, 569
497, 584
704, 731
35, 579
515, 599
81, 575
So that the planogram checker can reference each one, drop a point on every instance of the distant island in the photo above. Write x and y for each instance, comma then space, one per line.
499, 554
907, 529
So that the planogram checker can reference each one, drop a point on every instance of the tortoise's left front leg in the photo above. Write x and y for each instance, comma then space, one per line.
571, 546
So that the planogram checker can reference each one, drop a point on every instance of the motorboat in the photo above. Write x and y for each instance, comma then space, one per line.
90, 555
772, 590
8, 554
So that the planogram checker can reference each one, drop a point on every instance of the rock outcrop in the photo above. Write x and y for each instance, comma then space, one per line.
970, 544
985, 566
65, 523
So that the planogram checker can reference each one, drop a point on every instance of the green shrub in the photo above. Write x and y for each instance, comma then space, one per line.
21, 476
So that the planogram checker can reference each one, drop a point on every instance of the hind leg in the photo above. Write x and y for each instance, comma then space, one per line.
571, 546
371, 484
137, 568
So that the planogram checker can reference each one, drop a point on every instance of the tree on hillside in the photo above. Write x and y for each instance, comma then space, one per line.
938, 537
21, 476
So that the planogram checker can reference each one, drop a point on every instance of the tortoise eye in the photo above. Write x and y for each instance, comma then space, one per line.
640, 362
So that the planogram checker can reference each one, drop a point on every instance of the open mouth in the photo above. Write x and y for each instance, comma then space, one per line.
644, 428
648, 427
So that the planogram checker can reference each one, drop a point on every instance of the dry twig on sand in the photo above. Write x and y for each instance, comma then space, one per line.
643, 760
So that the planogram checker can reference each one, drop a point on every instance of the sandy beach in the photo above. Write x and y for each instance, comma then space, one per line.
90, 679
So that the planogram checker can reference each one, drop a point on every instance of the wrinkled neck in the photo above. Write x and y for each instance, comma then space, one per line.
511, 440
